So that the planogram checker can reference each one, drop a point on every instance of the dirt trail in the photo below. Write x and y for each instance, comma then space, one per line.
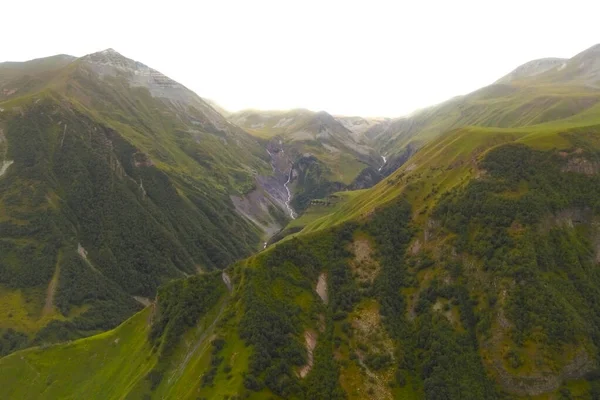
49, 305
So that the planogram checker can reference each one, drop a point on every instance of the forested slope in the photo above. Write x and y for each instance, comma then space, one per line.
490, 293
110, 187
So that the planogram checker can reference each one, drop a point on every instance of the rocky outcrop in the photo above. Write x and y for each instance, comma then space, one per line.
364, 267
142, 160
4, 166
582, 165
321, 288
227, 281
191, 107
310, 339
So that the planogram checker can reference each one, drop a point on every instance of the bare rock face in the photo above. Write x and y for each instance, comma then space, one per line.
142, 160
310, 338
321, 288
109, 63
582, 166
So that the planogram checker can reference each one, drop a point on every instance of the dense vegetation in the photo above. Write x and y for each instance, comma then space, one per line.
273, 321
515, 222
313, 182
180, 304
434, 354
78, 186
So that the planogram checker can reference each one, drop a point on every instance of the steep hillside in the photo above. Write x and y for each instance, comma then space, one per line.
532, 68
495, 286
322, 154
114, 180
20, 78
537, 92
471, 272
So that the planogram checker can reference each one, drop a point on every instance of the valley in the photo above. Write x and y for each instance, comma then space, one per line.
155, 246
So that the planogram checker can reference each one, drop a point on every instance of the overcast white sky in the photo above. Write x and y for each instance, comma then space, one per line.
366, 58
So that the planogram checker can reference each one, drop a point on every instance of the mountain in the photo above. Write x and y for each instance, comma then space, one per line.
358, 125
531, 69
540, 91
320, 153
470, 272
114, 179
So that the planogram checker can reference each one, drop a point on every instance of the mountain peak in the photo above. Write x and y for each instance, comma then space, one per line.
111, 57
109, 62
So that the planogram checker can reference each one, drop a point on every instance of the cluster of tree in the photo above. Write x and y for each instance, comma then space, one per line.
312, 182
272, 324
73, 182
180, 304
11, 340
208, 378
511, 220
435, 357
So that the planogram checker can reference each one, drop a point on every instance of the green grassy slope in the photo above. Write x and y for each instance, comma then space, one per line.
22, 78
116, 364
110, 190
485, 267
448, 161
550, 95
102, 366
